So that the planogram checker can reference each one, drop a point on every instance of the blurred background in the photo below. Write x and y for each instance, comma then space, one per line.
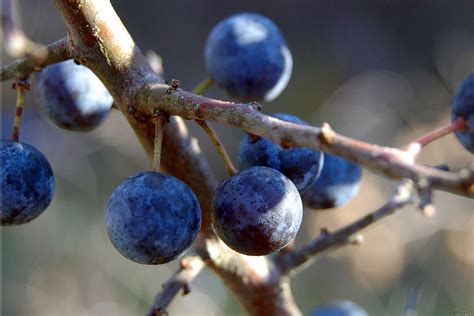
380, 71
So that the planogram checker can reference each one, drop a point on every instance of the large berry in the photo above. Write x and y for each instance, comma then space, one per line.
302, 165
27, 183
462, 105
152, 218
338, 183
248, 57
72, 97
257, 211
339, 308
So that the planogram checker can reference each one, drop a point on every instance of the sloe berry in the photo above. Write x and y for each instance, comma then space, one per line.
72, 97
301, 165
338, 183
27, 183
152, 218
462, 105
257, 211
248, 57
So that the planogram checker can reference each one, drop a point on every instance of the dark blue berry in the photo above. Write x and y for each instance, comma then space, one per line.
248, 57
302, 165
152, 218
72, 97
462, 105
339, 308
338, 183
27, 183
257, 211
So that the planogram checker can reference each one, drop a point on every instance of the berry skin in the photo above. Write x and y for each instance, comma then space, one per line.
152, 218
248, 57
462, 105
338, 183
27, 183
301, 165
339, 308
257, 211
72, 97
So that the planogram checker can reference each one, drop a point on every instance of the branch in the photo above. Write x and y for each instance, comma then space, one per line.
292, 259
40, 58
391, 162
189, 268
255, 281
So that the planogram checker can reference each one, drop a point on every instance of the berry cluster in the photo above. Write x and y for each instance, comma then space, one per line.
153, 218
72, 98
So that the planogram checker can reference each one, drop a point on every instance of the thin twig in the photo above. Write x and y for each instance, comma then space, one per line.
40, 58
293, 259
203, 86
416, 146
20, 87
160, 119
229, 166
189, 268
211, 133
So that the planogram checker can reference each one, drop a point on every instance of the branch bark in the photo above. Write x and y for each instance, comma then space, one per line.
190, 267
38, 59
391, 162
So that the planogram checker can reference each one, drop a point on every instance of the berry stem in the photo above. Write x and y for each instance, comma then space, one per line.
439, 132
229, 166
160, 119
20, 87
203, 86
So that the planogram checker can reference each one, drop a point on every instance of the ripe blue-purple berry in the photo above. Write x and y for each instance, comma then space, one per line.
338, 183
301, 165
462, 105
257, 211
27, 183
248, 57
72, 97
152, 218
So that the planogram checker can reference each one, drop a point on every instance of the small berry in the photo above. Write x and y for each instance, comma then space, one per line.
462, 105
339, 308
248, 57
152, 218
27, 183
72, 97
301, 165
257, 211
338, 183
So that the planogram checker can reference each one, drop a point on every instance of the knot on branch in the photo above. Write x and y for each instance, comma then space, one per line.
326, 135
256, 106
466, 175
174, 85
21, 83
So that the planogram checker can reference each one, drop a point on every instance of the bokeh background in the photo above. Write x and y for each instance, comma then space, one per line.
380, 71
